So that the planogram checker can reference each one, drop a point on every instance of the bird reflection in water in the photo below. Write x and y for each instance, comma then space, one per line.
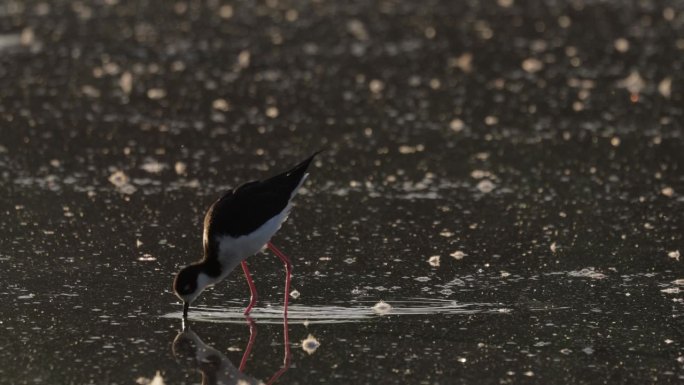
215, 367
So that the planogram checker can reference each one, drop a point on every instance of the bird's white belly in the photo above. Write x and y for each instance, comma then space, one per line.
233, 250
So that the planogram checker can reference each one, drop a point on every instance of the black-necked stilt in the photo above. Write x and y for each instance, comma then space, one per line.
238, 225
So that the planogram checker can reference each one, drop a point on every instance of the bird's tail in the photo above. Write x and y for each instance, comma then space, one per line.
295, 177
300, 169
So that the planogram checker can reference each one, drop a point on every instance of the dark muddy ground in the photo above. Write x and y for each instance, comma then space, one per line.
505, 175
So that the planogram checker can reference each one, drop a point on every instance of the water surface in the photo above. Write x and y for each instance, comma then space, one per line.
505, 176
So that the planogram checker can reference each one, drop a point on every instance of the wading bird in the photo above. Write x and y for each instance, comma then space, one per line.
238, 225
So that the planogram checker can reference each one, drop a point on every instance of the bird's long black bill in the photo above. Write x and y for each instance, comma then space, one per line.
186, 306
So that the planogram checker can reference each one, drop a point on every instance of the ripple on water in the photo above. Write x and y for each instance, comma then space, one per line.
360, 311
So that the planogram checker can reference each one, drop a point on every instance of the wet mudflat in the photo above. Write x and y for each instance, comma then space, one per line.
499, 200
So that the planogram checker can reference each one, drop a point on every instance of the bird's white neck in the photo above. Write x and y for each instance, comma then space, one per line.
204, 280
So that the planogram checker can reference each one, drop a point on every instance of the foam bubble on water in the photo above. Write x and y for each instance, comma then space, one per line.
455, 282
434, 261
485, 186
152, 166
122, 182
665, 87
480, 174
406, 149
156, 380
464, 62
90, 91
128, 189
588, 272
310, 344
27, 37
667, 191
553, 247
126, 82
382, 307
156, 93
376, 86
532, 65
458, 255
295, 294
272, 112
226, 11
357, 29
220, 105
491, 120
118, 178
180, 168
674, 254
456, 125
244, 58
633, 83
621, 45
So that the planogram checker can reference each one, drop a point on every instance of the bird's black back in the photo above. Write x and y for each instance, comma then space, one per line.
244, 209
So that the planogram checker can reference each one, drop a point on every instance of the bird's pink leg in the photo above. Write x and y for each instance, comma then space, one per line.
279, 253
288, 271
252, 288
250, 344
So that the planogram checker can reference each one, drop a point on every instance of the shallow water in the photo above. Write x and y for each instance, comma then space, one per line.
359, 311
499, 199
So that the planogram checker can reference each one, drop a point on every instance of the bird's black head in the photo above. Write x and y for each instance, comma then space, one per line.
186, 284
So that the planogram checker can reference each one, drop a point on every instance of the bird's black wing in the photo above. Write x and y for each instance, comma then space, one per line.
245, 208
